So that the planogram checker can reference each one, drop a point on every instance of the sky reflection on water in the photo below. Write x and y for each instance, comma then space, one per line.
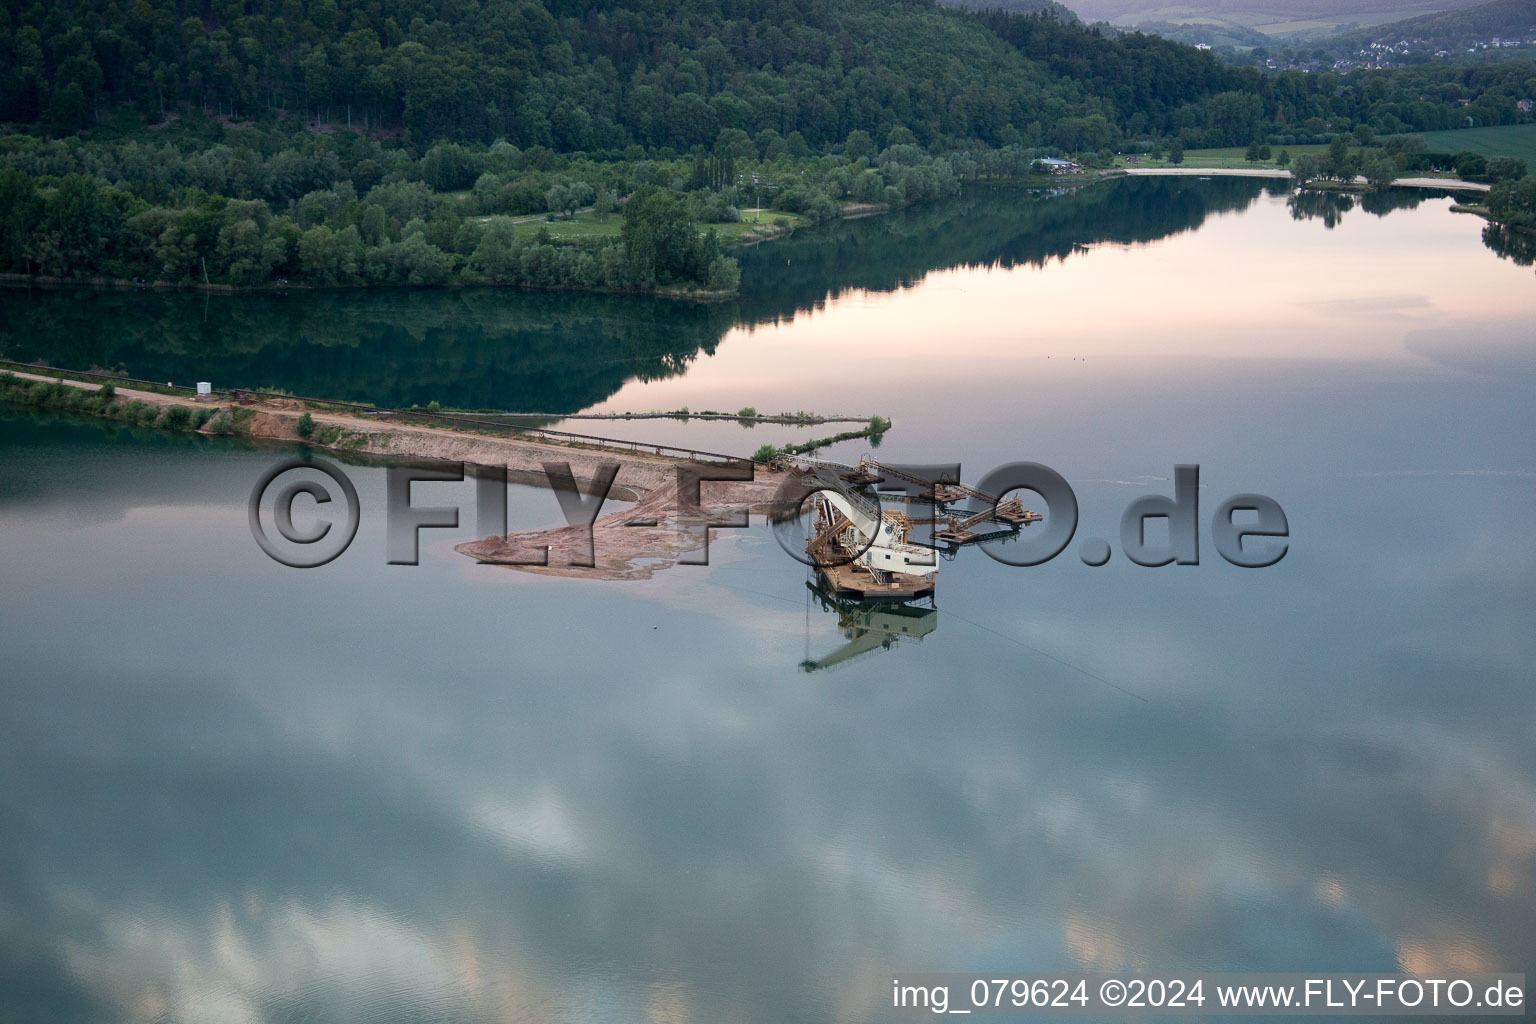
235, 791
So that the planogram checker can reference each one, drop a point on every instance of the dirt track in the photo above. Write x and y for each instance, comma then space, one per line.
277, 418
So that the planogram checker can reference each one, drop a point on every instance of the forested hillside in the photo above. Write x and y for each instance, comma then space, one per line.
567, 74
393, 141
581, 75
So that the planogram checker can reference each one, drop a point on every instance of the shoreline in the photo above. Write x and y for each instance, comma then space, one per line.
767, 233
697, 295
14, 280
1452, 184
274, 418
621, 544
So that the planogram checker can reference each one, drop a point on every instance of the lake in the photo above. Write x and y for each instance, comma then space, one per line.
237, 791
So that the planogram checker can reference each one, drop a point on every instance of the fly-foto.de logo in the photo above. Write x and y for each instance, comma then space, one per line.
305, 513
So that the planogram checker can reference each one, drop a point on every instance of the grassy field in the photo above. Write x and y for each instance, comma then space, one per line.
1230, 157
1331, 24
586, 226
1516, 140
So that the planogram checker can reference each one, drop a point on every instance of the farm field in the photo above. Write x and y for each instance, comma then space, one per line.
1516, 140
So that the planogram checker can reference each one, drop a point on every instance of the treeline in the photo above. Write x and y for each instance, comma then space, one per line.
231, 217
75, 227
1383, 163
501, 178
579, 75
1513, 204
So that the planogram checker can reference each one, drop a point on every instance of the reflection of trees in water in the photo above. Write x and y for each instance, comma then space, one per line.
1328, 207
468, 348
1511, 243
563, 351
982, 228
1385, 201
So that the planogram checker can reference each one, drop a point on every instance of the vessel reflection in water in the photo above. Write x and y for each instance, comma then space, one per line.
869, 626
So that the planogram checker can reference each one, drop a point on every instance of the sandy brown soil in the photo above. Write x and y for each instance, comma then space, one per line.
617, 549
633, 543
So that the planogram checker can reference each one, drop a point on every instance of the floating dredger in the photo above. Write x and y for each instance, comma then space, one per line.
864, 551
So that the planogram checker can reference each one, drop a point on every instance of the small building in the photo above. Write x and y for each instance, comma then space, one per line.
1056, 165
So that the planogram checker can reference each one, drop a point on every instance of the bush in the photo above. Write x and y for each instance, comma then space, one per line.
306, 426
792, 200
1505, 168
176, 417
222, 423
1380, 172
139, 413
724, 274
1514, 202
43, 392
1470, 165
200, 417
1305, 167
434, 406
746, 412
764, 453
822, 208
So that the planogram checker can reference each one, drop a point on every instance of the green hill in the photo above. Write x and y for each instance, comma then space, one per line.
1453, 30
600, 76
568, 75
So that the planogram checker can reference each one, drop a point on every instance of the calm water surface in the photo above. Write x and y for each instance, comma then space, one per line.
234, 791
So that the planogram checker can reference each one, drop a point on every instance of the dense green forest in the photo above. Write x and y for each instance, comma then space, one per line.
577, 75
238, 142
